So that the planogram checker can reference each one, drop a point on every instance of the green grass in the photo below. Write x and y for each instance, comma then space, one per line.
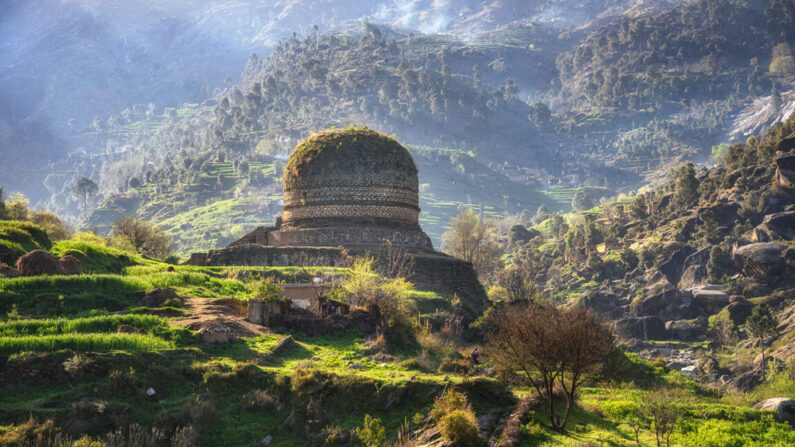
29, 235
68, 295
83, 343
96, 258
106, 323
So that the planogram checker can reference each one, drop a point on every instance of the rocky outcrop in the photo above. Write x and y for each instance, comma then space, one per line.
708, 300
693, 276
776, 226
688, 330
676, 253
660, 298
785, 169
739, 310
725, 214
760, 260
783, 406
644, 328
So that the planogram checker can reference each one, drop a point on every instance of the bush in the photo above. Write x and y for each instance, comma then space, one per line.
259, 399
146, 238
303, 378
450, 401
371, 433
460, 428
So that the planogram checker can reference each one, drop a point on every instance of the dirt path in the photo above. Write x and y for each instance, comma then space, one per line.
228, 311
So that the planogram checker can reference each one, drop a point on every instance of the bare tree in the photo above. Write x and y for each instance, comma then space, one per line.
518, 282
546, 347
145, 237
662, 409
473, 239
396, 262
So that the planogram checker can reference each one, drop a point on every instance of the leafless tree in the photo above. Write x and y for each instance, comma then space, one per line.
546, 348
396, 262
518, 282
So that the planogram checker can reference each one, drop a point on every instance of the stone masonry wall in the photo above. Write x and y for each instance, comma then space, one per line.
435, 272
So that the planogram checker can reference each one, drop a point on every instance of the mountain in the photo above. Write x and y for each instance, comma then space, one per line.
68, 64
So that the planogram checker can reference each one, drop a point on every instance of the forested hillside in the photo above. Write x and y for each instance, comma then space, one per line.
515, 113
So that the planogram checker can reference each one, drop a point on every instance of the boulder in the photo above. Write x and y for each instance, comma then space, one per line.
687, 330
693, 276
725, 214
739, 311
644, 328
785, 170
676, 253
38, 262
602, 301
747, 381
700, 257
71, 265
786, 144
157, 297
707, 300
660, 298
760, 260
776, 226
783, 406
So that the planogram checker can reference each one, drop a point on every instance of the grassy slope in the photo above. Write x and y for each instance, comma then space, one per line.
338, 364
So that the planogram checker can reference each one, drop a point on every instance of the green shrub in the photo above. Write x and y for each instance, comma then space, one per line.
723, 433
448, 402
371, 433
460, 428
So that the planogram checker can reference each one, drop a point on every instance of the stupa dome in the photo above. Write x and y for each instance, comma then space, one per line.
352, 175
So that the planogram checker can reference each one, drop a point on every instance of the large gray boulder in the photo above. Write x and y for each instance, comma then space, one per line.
783, 406
644, 328
688, 330
725, 214
676, 253
660, 298
760, 260
708, 299
785, 169
693, 276
776, 226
